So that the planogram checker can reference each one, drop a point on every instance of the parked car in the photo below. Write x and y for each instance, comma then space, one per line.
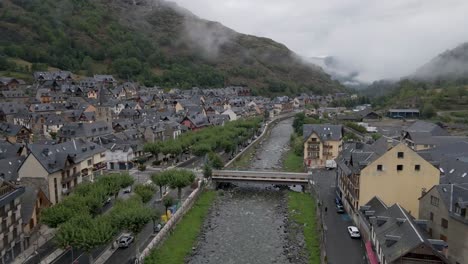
338, 201
125, 241
128, 189
354, 232
339, 209
157, 228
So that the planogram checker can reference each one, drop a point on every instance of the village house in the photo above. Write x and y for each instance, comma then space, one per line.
321, 143
7, 83
11, 233
57, 169
444, 207
396, 237
15, 133
363, 170
85, 131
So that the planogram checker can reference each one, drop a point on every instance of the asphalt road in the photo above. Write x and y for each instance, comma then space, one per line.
340, 247
125, 255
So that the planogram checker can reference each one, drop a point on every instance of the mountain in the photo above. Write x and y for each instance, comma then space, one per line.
152, 41
339, 70
452, 65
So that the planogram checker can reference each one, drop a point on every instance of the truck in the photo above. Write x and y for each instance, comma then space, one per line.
330, 164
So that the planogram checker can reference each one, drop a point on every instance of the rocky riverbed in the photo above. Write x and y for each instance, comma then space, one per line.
249, 223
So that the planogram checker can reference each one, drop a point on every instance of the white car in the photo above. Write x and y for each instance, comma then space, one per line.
125, 241
354, 232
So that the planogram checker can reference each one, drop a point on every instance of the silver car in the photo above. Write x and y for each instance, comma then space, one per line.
125, 241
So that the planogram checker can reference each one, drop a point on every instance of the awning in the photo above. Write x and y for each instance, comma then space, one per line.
371, 254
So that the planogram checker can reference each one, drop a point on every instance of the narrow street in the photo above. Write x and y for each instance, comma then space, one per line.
340, 247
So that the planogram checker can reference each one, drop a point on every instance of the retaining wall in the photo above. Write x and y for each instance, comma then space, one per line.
171, 224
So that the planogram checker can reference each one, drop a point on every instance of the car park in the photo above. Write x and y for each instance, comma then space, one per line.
354, 232
125, 240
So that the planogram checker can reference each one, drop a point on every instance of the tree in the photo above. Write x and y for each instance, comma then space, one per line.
180, 179
160, 180
59, 214
85, 233
216, 161
207, 171
131, 215
145, 192
168, 201
428, 110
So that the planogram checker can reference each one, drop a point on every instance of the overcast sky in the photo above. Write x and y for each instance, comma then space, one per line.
382, 39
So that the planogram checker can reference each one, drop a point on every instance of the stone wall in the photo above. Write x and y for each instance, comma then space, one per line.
171, 224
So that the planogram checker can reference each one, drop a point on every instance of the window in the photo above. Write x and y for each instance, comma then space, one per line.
401, 155
429, 232
399, 167
444, 223
380, 167
314, 139
434, 201
460, 211
431, 216
444, 238
417, 167
89, 162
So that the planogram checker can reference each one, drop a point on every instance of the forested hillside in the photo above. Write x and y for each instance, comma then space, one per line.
154, 42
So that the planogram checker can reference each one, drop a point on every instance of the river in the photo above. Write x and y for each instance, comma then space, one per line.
247, 223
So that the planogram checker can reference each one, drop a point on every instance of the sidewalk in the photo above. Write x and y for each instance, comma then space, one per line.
40, 238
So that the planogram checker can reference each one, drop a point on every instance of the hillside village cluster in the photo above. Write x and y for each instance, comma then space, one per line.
60, 131
407, 191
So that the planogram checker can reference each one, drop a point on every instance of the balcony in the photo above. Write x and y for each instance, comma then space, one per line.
99, 166
69, 178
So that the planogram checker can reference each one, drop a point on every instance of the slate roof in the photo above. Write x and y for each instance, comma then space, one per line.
398, 234
10, 108
28, 202
13, 94
79, 130
9, 150
10, 129
52, 75
9, 168
104, 78
53, 157
324, 132
423, 126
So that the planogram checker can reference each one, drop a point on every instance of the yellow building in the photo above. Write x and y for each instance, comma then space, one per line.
321, 143
395, 175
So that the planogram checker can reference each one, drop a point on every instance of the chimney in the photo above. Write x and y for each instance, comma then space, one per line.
389, 144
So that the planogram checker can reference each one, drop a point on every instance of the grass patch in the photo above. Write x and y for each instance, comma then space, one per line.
293, 162
179, 244
244, 160
301, 209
